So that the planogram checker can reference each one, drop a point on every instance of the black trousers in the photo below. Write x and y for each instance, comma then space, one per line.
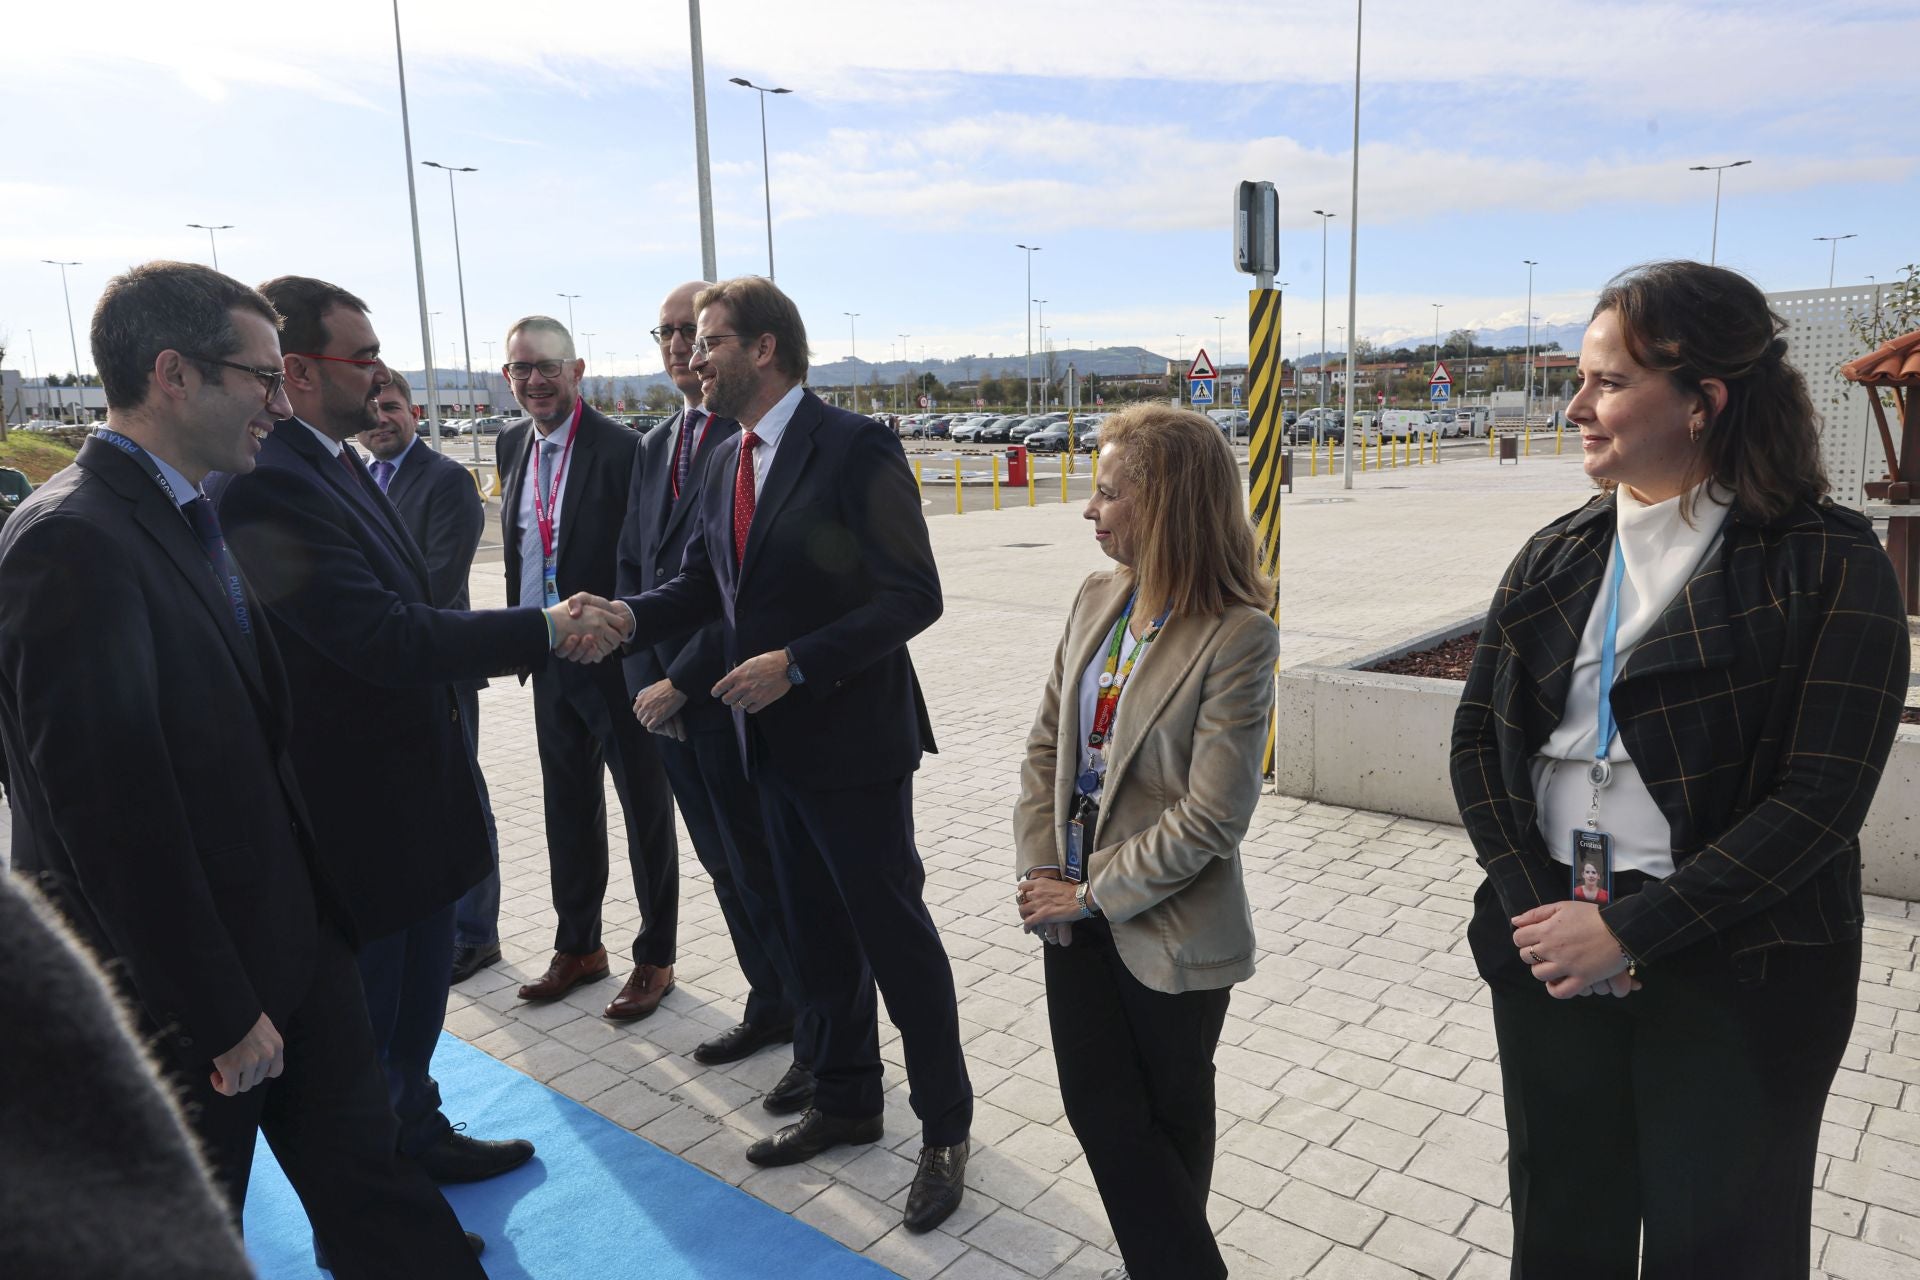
331, 1127
1690, 1110
1136, 1074
851, 882
584, 723
405, 978
721, 809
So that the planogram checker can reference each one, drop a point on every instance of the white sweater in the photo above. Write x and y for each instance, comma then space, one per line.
1662, 552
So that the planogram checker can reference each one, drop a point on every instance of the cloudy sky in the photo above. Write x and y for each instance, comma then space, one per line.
923, 139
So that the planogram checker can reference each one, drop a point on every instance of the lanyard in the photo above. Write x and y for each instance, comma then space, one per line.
543, 516
142, 457
1601, 773
1113, 682
219, 559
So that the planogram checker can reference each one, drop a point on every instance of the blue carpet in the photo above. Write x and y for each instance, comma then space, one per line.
596, 1203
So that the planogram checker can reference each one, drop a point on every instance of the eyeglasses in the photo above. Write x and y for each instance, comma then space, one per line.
521, 370
666, 332
271, 379
704, 347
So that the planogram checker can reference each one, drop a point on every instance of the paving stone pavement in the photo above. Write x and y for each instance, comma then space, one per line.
1361, 1131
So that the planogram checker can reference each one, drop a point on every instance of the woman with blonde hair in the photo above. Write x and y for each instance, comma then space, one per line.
1141, 775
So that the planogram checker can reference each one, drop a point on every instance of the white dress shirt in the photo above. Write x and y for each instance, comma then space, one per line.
771, 427
327, 442
533, 558
1662, 552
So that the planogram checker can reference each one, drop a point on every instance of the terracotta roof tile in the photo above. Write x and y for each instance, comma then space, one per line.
1896, 364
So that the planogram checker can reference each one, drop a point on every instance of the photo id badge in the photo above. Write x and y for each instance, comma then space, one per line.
551, 585
1076, 850
1592, 866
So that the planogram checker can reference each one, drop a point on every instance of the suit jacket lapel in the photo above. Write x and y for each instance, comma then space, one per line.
1159, 671
413, 466
1692, 633
359, 492
586, 454
1093, 627
796, 446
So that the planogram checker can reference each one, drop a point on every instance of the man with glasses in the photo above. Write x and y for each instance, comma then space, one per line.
373, 666
146, 713
442, 508
669, 682
564, 470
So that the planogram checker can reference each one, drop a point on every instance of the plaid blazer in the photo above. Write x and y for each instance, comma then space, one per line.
1760, 710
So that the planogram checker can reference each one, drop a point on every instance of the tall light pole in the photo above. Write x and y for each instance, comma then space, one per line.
1029, 250
903, 374
1040, 323
1436, 334
1833, 251
1353, 248
1531, 264
766, 169
853, 362
709, 263
459, 273
569, 297
1325, 218
591, 369
78, 386
413, 215
1717, 170
201, 226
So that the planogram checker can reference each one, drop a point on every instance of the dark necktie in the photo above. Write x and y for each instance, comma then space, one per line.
689, 441
382, 473
347, 461
743, 497
206, 526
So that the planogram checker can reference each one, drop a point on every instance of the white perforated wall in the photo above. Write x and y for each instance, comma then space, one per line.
1818, 343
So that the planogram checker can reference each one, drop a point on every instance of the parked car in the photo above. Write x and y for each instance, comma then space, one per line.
14, 484
1311, 428
997, 431
1048, 439
1040, 422
967, 430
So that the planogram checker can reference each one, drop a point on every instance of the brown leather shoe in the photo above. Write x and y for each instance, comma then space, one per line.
643, 993
565, 973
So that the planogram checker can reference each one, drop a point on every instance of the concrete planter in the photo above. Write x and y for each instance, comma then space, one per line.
1366, 740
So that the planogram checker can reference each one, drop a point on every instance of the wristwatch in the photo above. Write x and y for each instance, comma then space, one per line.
793, 669
1080, 900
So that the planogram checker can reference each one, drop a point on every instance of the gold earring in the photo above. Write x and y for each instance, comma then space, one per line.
1693, 431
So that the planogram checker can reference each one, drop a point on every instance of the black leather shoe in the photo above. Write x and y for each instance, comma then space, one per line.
813, 1133
455, 1157
794, 1093
474, 1242
938, 1185
468, 961
739, 1042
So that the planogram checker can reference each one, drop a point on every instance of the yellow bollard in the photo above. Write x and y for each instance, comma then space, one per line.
1528, 449
1095, 477
1063, 477
959, 503
993, 460
918, 487
1030, 468
1492, 432
1329, 455
1557, 433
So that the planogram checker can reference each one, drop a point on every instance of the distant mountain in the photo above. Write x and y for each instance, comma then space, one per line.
1107, 361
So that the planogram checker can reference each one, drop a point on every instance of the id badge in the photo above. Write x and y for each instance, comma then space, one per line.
1592, 877
1076, 850
551, 583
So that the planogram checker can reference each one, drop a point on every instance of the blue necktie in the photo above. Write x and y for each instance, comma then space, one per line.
206, 525
382, 473
689, 441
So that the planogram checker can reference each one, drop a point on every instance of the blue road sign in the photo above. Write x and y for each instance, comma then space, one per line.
1200, 390
1439, 390
1236, 393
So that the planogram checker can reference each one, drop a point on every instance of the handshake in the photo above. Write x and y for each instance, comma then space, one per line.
587, 628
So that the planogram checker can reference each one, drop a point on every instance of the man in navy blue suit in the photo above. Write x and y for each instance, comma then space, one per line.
372, 664
441, 507
813, 550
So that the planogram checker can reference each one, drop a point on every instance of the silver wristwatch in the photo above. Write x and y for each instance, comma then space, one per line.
1080, 900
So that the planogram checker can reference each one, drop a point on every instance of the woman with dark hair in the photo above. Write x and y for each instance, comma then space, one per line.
1692, 681
1141, 775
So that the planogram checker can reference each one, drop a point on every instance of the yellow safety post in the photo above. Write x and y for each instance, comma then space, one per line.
1529, 446
993, 460
1096, 468
1557, 433
959, 503
1329, 455
1265, 461
1492, 432
1030, 499
1063, 477
1313, 460
918, 487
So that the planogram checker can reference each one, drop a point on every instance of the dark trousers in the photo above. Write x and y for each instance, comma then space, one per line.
721, 809
584, 723
850, 884
1136, 1075
405, 976
331, 1128
1690, 1110
476, 917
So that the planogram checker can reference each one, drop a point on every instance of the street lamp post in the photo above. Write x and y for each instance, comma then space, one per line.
1029, 250
853, 362
1833, 251
703, 172
1353, 249
766, 169
201, 226
459, 273
1040, 323
1527, 415
413, 218
905, 402
1717, 170
79, 387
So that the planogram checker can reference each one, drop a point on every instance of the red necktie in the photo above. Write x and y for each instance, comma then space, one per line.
743, 496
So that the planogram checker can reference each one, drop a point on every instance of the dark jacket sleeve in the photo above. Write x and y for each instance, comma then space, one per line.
690, 600
314, 575
883, 515
456, 515
1853, 684
88, 679
1507, 844
642, 667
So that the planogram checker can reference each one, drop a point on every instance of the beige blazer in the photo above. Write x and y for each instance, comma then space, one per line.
1183, 775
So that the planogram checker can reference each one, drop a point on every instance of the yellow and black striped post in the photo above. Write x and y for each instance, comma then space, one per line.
1263, 454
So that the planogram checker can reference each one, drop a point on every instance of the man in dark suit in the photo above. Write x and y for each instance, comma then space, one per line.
442, 508
564, 470
813, 550
145, 712
669, 682
372, 665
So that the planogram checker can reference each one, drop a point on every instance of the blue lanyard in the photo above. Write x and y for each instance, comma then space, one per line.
1602, 772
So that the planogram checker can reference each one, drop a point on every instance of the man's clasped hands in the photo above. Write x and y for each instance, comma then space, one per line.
586, 628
